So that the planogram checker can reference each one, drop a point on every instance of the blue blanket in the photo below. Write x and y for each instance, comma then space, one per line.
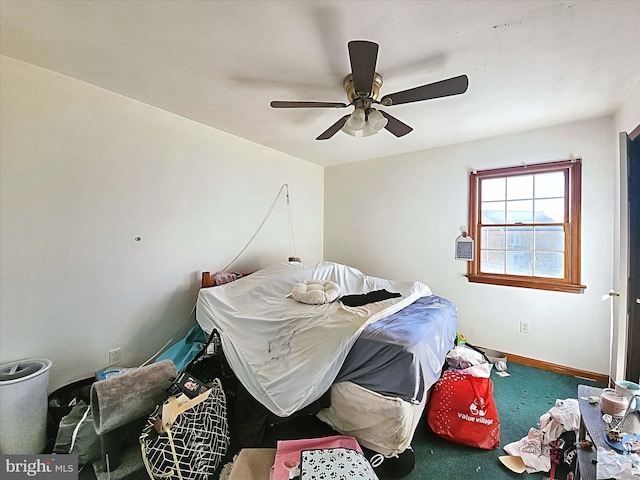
402, 355
182, 352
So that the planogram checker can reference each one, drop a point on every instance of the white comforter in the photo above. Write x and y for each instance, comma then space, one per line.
288, 353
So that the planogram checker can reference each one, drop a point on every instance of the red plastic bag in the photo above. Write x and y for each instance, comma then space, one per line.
462, 410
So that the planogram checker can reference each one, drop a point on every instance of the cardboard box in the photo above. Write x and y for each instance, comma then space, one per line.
253, 464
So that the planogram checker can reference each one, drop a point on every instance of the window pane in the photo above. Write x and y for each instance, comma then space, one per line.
492, 212
492, 261
519, 238
549, 239
519, 263
550, 211
549, 185
492, 237
520, 187
550, 265
493, 189
520, 211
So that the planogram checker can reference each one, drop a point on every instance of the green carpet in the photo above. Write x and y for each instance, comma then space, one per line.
521, 398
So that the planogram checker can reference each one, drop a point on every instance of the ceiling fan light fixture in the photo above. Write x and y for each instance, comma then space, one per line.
357, 119
368, 130
349, 131
376, 120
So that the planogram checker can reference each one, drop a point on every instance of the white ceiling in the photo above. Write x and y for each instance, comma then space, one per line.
530, 63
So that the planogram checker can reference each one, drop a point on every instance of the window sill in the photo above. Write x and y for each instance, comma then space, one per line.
528, 282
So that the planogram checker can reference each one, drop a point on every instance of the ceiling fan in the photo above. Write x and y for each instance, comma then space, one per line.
362, 87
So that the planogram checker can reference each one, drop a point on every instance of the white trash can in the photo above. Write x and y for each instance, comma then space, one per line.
23, 406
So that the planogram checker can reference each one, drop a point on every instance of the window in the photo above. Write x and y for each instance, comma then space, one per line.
526, 225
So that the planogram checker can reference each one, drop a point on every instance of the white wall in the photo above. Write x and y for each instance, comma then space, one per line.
83, 172
398, 217
626, 119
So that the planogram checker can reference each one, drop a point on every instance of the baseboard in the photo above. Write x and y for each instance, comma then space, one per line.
552, 367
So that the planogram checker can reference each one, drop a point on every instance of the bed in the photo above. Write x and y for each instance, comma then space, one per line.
377, 360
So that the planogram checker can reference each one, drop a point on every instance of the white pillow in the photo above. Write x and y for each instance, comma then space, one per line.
315, 291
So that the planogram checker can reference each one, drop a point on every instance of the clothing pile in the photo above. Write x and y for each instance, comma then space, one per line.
553, 443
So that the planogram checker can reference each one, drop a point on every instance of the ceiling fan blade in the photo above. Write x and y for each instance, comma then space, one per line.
395, 126
444, 88
363, 56
279, 104
333, 129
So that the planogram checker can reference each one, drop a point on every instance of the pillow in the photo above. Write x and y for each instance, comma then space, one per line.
315, 291
220, 278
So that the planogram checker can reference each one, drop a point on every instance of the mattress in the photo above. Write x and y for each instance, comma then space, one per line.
402, 355
286, 353
382, 388
383, 424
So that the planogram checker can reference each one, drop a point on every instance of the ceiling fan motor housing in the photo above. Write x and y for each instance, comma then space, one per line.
347, 84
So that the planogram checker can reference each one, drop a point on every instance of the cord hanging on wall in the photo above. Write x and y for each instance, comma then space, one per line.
292, 258
464, 246
292, 244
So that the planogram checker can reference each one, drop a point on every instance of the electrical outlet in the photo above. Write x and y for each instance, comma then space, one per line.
524, 327
114, 356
